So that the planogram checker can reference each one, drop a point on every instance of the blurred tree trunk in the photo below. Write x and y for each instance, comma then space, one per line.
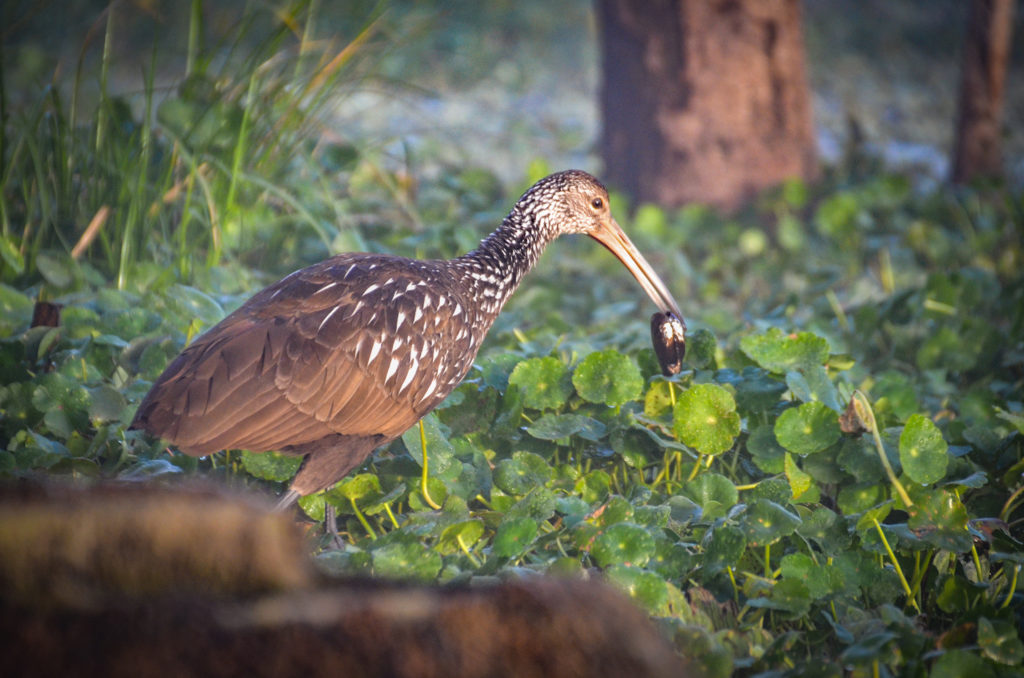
978, 147
704, 100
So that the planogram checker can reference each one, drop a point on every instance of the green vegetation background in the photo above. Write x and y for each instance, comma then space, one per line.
834, 482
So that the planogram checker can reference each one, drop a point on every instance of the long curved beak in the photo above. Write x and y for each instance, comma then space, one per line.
612, 236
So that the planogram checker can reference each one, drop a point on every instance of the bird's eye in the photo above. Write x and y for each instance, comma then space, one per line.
597, 203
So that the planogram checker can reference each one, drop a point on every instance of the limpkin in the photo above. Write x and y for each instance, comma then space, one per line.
342, 357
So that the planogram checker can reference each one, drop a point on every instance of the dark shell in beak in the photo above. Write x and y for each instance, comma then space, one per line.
668, 334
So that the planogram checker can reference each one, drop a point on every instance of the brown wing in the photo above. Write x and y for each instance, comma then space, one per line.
357, 345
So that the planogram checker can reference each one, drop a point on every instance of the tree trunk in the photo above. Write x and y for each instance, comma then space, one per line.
704, 100
978, 148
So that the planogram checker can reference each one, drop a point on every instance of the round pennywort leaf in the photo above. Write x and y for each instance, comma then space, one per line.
923, 452
623, 544
520, 474
514, 536
705, 418
781, 353
270, 465
807, 429
406, 560
544, 382
608, 377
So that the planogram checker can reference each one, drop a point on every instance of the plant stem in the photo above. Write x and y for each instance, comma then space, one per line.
362, 519
696, 467
732, 578
896, 564
469, 554
391, 515
1013, 587
867, 416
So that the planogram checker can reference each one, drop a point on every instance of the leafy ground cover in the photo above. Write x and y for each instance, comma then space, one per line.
834, 483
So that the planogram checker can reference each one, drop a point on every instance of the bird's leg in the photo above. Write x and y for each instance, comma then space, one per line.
423, 480
331, 524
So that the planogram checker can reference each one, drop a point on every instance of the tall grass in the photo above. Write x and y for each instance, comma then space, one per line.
167, 182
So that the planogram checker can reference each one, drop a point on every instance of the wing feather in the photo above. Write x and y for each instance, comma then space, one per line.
344, 347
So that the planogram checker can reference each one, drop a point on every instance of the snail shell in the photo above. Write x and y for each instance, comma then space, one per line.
668, 334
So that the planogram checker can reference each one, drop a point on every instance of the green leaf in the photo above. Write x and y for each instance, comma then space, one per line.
1017, 420
314, 505
775, 489
107, 403
56, 272
708, 657
559, 426
836, 217
538, 504
802, 568
923, 451
859, 458
765, 522
355, 488
868, 649
1000, 642
812, 384
713, 492
800, 482
756, 389
684, 510
11, 254
790, 595
378, 503
271, 465
939, 518
672, 561
520, 474
658, 399
765, 450
894, 393
945, 349
544, 382
617, 510
192, 303
645, 587
608, 377
406, 559
514, 537
827, 529
468, 532
705, 418
960, 664
860, 497
783, 353
701, 347
623, 544
723, 547
807, 429
594, 486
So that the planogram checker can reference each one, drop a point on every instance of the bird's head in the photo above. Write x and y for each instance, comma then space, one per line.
574, 201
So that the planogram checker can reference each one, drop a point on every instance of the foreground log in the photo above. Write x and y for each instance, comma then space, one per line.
143, 582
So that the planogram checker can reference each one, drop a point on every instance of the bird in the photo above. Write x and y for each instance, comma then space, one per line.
342, 357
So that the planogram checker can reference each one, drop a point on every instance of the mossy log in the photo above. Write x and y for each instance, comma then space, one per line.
142, 581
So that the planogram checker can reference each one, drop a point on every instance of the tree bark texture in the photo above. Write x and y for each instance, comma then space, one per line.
704, 100
977, 150
140, 580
